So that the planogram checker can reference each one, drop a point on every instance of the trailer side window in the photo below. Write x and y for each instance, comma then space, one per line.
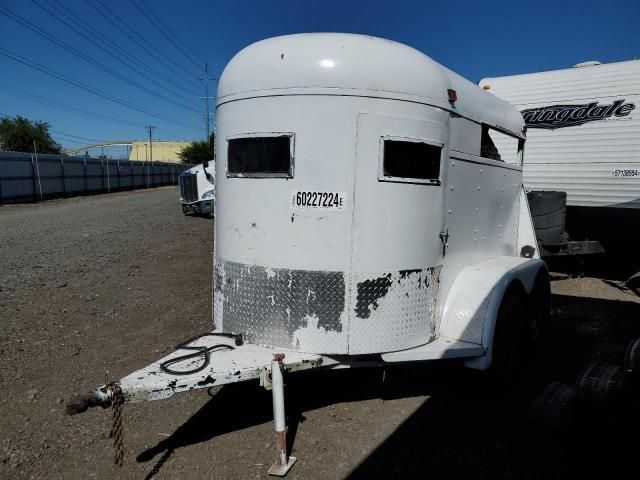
409, 161
265, 156
488, 149
500, 146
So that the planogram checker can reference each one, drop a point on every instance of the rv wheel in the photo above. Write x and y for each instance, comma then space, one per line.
511, 334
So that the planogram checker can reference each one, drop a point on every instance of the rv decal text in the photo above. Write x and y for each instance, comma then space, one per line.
559, 116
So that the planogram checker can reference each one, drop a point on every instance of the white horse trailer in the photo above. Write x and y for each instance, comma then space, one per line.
583, 139
362, 219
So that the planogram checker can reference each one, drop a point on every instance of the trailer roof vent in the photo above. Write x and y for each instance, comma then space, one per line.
590, 63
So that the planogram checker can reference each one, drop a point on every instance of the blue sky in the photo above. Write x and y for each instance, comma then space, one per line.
474, 38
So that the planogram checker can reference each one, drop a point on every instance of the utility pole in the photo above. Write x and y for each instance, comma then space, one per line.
207, 113
150, 129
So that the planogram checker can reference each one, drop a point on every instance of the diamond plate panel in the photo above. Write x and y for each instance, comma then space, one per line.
293, 309
318, 312
393, 311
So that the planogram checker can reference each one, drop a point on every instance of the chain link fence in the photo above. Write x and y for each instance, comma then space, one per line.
28, 177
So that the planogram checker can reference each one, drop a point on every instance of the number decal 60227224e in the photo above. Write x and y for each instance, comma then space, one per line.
313, 199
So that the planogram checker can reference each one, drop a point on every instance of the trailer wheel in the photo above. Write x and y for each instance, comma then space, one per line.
510, 339
554, 406
185, 210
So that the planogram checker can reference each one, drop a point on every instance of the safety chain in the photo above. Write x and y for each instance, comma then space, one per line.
117, 434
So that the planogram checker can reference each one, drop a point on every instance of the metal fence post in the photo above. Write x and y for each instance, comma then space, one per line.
33, 177
102, 171
86, 185
64, 178
35, 155
108, 177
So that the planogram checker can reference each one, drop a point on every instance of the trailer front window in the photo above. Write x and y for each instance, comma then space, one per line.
411, 161
264, 156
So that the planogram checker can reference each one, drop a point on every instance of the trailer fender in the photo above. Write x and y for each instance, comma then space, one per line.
471, 307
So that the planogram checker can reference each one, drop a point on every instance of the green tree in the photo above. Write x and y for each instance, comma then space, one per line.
18, 134
198, 152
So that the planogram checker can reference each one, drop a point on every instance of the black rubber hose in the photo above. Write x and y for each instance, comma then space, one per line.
198, 351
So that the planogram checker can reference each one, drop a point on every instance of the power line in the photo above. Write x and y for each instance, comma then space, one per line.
66, 140
76, 136
88, 88
44, 34
123, 26
163, 31
116, 52
119, 23
32, 97
58, 132
199, 60
116, 56
52, 103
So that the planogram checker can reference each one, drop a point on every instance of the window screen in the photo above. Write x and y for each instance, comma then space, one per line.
259, 157
411, 160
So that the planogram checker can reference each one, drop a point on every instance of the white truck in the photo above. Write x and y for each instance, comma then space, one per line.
583, 140
197, 189
362, 220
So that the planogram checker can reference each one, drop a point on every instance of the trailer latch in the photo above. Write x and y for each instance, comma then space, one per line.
444, 238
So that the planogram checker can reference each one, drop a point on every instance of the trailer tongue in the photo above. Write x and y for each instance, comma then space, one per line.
212, 359
226, 365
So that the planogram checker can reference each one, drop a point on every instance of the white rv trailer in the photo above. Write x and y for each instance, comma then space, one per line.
583, 139
197, 190
362, 219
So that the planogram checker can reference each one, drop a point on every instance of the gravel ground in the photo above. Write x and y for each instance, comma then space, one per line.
96, 287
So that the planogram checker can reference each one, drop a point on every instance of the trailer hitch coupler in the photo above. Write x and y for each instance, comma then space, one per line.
81, 403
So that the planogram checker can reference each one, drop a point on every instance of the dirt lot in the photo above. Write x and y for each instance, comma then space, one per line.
96, 287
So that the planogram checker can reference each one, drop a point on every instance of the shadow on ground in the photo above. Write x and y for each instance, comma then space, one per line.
466, 428
470, 431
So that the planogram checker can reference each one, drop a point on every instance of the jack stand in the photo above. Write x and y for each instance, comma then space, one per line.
283, 464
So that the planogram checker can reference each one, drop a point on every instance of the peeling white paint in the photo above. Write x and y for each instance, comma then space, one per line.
309, 337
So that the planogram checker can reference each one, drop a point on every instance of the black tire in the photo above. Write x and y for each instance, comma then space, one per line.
554, 406
549, 213
185, 211
511, 336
